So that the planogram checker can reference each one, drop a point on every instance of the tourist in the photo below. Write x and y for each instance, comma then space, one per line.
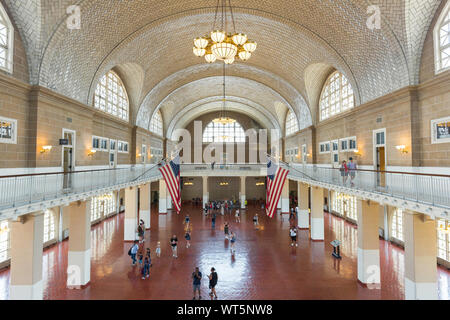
186, 219
213, 220
226, 230
352, 170
255, 220
213, 278
158, 249
233, 241
140, 231
133, 251
222, 209
237, 216
293, 234
187, 236
197, 278
148, 254
174, 243
344, 171
146, 269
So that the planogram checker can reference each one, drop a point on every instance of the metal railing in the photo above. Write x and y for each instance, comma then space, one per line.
430, 189
20, 190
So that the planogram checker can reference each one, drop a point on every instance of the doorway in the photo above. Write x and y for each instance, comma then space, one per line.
379, 139
335, 153
112, 153
68, 157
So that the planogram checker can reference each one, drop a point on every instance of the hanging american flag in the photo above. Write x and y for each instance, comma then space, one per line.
276, 177
171, 174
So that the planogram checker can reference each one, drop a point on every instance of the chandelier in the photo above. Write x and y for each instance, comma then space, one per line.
223, 119
222, 45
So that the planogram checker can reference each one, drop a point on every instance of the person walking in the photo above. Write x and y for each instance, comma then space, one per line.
226, 230
213, 220
140, 231
133, 251
187, 219
255, 220
213, 278
158, 249
344, 171
197, 278
174, 243
187, 236
237, 216
233, 242
146, 269
293, 234
352, 170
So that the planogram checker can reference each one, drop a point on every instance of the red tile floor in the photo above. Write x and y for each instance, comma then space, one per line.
264, 266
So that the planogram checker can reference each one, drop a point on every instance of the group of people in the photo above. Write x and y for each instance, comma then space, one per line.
223, 207
347, 169
197, 281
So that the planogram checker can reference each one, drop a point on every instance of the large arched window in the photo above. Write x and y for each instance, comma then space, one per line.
218, 132
111, 96
6, 41
291, 123
337, 96
442, 40
156, 124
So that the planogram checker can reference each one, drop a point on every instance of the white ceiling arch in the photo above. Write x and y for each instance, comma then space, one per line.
214, 103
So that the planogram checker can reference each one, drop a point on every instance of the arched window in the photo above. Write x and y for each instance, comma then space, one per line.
291, 123
337, 96
156, 124
442, 40
6, 41
218, 132
111, 96
397, 224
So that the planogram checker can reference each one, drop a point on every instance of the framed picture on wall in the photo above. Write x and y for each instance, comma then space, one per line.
440, 130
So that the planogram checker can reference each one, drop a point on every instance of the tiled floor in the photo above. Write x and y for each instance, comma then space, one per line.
264, 267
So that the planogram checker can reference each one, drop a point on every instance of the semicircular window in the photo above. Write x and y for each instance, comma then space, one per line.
337, 96
229, 133
111, 96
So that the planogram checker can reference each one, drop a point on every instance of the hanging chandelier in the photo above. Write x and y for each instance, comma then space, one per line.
222, 45
223, 119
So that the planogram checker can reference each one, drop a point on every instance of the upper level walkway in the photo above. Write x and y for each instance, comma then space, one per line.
426, 193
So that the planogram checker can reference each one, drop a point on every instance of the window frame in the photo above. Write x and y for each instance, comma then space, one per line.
337, 95
50, 218
158, 119
9, 68
121, 146
291, 124
443, 20
213, 130
324, 145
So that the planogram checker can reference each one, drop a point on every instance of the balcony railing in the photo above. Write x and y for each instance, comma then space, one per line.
432, 189
20, 190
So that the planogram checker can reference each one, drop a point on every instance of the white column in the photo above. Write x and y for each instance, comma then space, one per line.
162, 196
145, 201
303, 210
368, 243
420, 257
205, 191
242, 193
386, 222
26, 257
317, 223
79, 259
131, 214
285, 197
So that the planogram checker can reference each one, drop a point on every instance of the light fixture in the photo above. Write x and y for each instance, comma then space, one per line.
221, 44
401, 148
46, 149
260, 183
92, 152
188, 183
223, 183
356, 152
223, 119
139, 155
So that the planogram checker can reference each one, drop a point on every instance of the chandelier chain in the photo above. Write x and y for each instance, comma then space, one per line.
232, 16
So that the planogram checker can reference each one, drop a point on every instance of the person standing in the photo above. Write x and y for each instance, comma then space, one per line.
133, 251
146, 268
187, 219
237, 216
226, 230
158, 249
352, 170
213, 278
188, 235
344, 171
197, 278
255, 220
174, 243
293, 234
140, 231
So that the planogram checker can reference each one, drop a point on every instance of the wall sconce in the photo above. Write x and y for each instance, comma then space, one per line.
91, 152
139, 155
402, 149
46, 149
260, 183
223, 183
357, 153
308, 154
188, 183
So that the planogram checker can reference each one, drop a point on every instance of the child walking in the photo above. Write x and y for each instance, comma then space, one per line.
158, 249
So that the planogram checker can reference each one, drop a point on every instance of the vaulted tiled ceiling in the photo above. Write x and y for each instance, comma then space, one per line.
155, 38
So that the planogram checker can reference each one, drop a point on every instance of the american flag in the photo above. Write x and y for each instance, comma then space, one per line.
171, 174
276, 177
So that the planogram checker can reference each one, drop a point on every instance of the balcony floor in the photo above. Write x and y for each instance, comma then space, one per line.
264, 267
